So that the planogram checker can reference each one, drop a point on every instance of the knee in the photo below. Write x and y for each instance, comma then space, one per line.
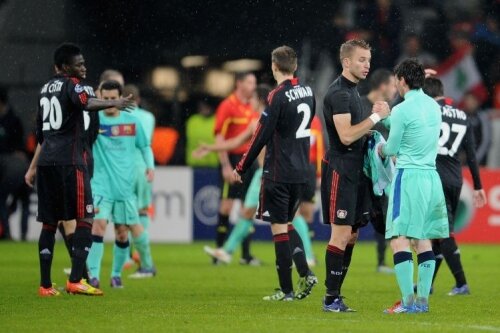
99, 227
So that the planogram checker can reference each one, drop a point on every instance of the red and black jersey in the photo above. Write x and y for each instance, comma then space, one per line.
60, 121
456, 134
285, 129
342, 97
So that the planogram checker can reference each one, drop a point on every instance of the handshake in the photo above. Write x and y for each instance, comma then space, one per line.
382, 109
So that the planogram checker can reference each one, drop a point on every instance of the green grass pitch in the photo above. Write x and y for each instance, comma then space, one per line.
191, 295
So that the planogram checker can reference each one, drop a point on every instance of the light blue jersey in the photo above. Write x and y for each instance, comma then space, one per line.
115, 155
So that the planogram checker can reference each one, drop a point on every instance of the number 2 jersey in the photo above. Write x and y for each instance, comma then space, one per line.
456, 134
285, 129
60, 121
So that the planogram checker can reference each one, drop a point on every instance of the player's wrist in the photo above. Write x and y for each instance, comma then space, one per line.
375, 118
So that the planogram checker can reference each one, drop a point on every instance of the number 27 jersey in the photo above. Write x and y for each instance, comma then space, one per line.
60, 121
285, 129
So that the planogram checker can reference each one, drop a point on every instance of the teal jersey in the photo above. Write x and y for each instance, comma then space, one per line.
147, 121
415, 127
115, 155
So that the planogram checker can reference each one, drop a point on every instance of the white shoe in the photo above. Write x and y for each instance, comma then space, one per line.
67, 271
311, 262
385, 269
218, 254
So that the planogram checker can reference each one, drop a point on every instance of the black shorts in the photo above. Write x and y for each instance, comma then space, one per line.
278, 202
64, 193
452, 197
345, 193
238, 190
309, 192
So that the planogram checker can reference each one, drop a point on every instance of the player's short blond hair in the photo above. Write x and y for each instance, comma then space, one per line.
348, 47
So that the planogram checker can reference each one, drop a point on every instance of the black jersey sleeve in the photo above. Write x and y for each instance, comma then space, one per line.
263, 133
339, 102
470, 153
78, 94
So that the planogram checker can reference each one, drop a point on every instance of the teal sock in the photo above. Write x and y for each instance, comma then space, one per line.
300, 225
426, 266
403, 266
142, 245
120, 257
145, 221
239, 232
95, 256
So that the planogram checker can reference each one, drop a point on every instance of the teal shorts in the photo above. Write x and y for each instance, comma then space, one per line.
143, 190
417, 208
116, 211
252, 196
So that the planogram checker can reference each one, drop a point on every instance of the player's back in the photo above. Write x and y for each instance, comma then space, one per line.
115, 154
455, 131
421, 117
287, 155
60, 121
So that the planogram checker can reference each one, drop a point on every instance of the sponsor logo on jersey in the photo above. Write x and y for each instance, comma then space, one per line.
341, 214
117, 130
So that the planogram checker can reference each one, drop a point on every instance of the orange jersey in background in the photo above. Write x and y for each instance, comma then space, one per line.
317, 148
232, 118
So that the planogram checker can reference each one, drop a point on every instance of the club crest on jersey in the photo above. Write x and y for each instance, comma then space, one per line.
78, 89
90, 208
341, 214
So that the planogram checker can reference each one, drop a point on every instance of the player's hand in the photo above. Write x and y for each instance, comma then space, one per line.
227, 174
236, 177
479, 198
125, 103
382, 109
429, 72
150, 175
201, 151
29, 177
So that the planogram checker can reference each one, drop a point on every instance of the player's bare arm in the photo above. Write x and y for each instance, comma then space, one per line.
225, 145
122, 103
31, 173
350, 133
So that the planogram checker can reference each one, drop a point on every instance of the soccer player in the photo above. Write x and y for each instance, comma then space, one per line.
342, 189
244, 225
232, 117
120, 134
143, 188
61, 165
382, 88
284, 128
456, 134
417, 208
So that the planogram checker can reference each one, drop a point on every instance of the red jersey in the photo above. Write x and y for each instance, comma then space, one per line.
232, 118
317, 149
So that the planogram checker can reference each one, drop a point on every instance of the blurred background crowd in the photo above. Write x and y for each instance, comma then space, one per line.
183, 56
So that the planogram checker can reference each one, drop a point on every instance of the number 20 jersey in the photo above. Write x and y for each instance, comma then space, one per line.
60, 121
285, 129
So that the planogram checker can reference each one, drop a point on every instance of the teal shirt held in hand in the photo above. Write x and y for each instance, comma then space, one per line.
115, 166
415, 127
